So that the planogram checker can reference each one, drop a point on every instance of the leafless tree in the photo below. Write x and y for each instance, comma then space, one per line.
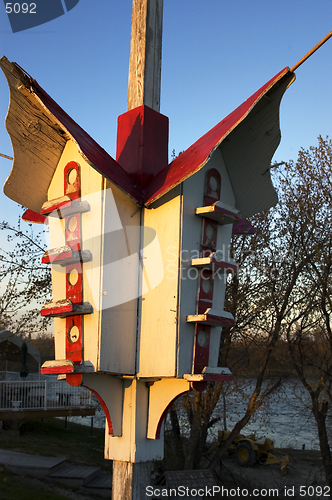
309, 183
282, 291
24, 280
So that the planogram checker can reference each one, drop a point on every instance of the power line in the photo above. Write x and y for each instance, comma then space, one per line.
5, 156
316, 47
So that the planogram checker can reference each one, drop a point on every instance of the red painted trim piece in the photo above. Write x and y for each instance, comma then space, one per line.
210, 194
196, 156
65, 256
74, 379
74, 289
65, 310
209, 236
206, 280
56, 370
55, 205
103, 404
74, 347
48, 258
201, 352
31, 216
199, 386
142, 144
57, 310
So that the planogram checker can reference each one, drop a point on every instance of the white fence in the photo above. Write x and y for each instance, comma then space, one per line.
42, 394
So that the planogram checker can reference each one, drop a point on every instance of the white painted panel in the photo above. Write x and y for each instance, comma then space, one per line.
133, 445
223, 245
193, 196
162, 393
91, 190
92, 184
120, 287
158, 339
111, 391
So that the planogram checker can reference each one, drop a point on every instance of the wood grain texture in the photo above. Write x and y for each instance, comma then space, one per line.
36, 143
145, 54
130, 480
39, 130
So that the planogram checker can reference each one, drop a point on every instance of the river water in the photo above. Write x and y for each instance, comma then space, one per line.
285, 417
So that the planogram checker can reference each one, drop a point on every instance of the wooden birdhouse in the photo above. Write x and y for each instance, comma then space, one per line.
139, 248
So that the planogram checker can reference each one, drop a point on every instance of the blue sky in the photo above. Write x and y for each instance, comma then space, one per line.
215, 55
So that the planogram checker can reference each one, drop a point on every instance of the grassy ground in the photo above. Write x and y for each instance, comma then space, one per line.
50, 438
13, 489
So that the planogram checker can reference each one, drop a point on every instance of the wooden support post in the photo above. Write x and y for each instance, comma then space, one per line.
130, 480
145, 54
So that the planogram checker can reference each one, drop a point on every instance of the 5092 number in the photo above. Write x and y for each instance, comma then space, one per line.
25, 8
315, 491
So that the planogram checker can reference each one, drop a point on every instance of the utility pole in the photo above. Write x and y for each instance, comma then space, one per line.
144, 83
145, 54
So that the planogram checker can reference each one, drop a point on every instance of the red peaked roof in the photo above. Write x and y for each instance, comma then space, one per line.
91, 150
196, 156
60, 123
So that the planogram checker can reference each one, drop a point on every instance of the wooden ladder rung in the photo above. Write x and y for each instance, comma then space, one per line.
64, 206
64, 308
66, 255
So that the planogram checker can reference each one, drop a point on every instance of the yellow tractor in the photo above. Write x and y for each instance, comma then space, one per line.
249, 450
